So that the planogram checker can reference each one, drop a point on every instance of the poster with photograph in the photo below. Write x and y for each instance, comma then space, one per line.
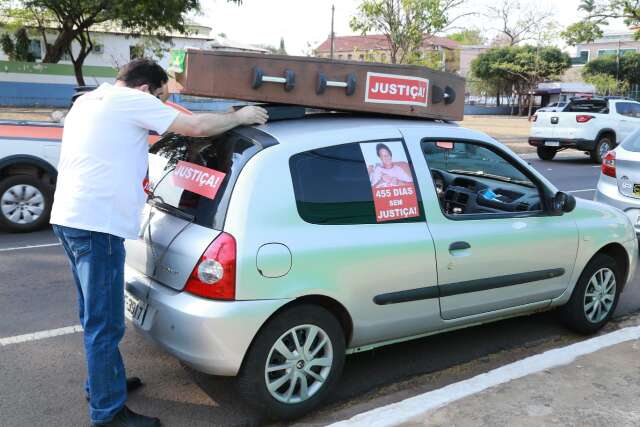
394, 192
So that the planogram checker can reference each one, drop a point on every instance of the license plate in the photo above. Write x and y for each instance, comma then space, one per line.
134, 308
552, 143
636, 190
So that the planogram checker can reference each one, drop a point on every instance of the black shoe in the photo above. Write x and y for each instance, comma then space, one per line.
127, 418
133, 383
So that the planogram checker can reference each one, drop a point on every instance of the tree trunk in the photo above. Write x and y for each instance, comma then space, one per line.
498, 97
59, 46
531, 98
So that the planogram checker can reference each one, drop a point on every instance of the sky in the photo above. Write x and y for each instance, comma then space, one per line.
301, 22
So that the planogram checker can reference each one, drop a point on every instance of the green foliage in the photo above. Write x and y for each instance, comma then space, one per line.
628, 70
18, 49
581, 32
468, 37
405, 23
606, 84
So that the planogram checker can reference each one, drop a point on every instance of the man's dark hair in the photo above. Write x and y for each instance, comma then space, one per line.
382, 147
143, 71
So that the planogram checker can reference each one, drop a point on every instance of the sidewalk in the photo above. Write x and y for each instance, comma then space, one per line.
599, 389
595, 382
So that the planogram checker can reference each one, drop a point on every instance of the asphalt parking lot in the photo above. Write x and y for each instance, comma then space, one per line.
41, 377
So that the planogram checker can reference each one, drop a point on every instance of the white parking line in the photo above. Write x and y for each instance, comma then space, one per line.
418, 406
40, 335
581, 191
29, 247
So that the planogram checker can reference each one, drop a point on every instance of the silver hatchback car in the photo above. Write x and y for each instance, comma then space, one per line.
619, 183
271, 252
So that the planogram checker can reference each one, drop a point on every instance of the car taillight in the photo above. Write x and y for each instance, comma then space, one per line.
214, 276
583, 118
609, 164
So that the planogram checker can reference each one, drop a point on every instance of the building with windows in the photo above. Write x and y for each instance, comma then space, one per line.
375, 48
39, 84
607, 45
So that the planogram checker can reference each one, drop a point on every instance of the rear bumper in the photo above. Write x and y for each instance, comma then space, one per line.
579, 144
608, 193
210, 336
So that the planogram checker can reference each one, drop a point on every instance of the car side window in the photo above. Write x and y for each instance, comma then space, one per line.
472, 180
333, 185
629, 109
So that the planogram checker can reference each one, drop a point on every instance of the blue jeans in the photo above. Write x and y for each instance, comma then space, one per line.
97, 265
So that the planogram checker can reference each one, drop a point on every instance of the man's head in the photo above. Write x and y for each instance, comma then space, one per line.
385, 155
145, 75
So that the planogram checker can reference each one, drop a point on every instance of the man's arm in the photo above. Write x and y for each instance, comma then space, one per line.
211, 124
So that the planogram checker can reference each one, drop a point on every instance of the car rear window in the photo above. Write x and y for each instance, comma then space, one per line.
632, 142
227, 154
332, 186
588, 106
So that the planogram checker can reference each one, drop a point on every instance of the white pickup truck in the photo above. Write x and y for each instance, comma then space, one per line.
592, 125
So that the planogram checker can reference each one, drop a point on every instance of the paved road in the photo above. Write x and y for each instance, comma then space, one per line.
40, 381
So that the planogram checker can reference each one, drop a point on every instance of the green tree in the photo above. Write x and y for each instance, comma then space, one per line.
606, 84
405, 23
598, 14
468, 37
18, 49
73, 20
523, 66
282, 50
625, 73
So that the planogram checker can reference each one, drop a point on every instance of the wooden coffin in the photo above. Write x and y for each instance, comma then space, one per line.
403, 90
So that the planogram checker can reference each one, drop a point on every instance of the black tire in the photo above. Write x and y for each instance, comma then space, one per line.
546, 153
603, 145
573, 313
47, 200
251, 380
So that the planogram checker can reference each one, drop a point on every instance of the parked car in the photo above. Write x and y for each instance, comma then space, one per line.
592, 125
619, 183
335, 234
29, 155
554, 106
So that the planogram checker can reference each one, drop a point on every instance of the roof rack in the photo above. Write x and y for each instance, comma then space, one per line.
404, 90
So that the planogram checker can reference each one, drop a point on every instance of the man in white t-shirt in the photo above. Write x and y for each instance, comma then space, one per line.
98, 203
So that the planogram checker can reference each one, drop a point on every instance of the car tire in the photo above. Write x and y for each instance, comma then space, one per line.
603, 145
254, 380
25, 203
546, 153
580, 313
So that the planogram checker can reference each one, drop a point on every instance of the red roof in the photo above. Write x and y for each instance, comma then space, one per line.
378, 42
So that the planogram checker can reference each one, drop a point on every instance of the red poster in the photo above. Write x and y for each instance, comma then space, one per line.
395, 89
394, 192
197, 179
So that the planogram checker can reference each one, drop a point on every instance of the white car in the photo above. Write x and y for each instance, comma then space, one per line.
554, 106
592, 125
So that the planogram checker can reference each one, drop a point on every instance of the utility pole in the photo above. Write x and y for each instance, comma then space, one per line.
333, 35
618, 69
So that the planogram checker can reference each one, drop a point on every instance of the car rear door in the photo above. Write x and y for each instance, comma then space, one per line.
490, 258
628, 116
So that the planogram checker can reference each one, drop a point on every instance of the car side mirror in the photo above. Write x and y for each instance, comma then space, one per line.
562, 203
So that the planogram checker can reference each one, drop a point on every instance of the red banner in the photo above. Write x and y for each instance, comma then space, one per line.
393, 203
197, 179
395, 89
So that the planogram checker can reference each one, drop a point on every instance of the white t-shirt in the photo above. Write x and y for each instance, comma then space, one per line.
104, 159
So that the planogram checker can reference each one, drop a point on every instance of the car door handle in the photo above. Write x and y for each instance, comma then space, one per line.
459, 246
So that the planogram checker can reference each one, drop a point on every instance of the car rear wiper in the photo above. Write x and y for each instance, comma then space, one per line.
158, 203
492, 176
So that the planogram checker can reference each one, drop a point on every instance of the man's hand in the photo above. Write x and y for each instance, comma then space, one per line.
252, 115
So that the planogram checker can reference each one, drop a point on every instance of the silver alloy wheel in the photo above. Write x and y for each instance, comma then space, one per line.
600, 294
22, 204
604, 148
299, 364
